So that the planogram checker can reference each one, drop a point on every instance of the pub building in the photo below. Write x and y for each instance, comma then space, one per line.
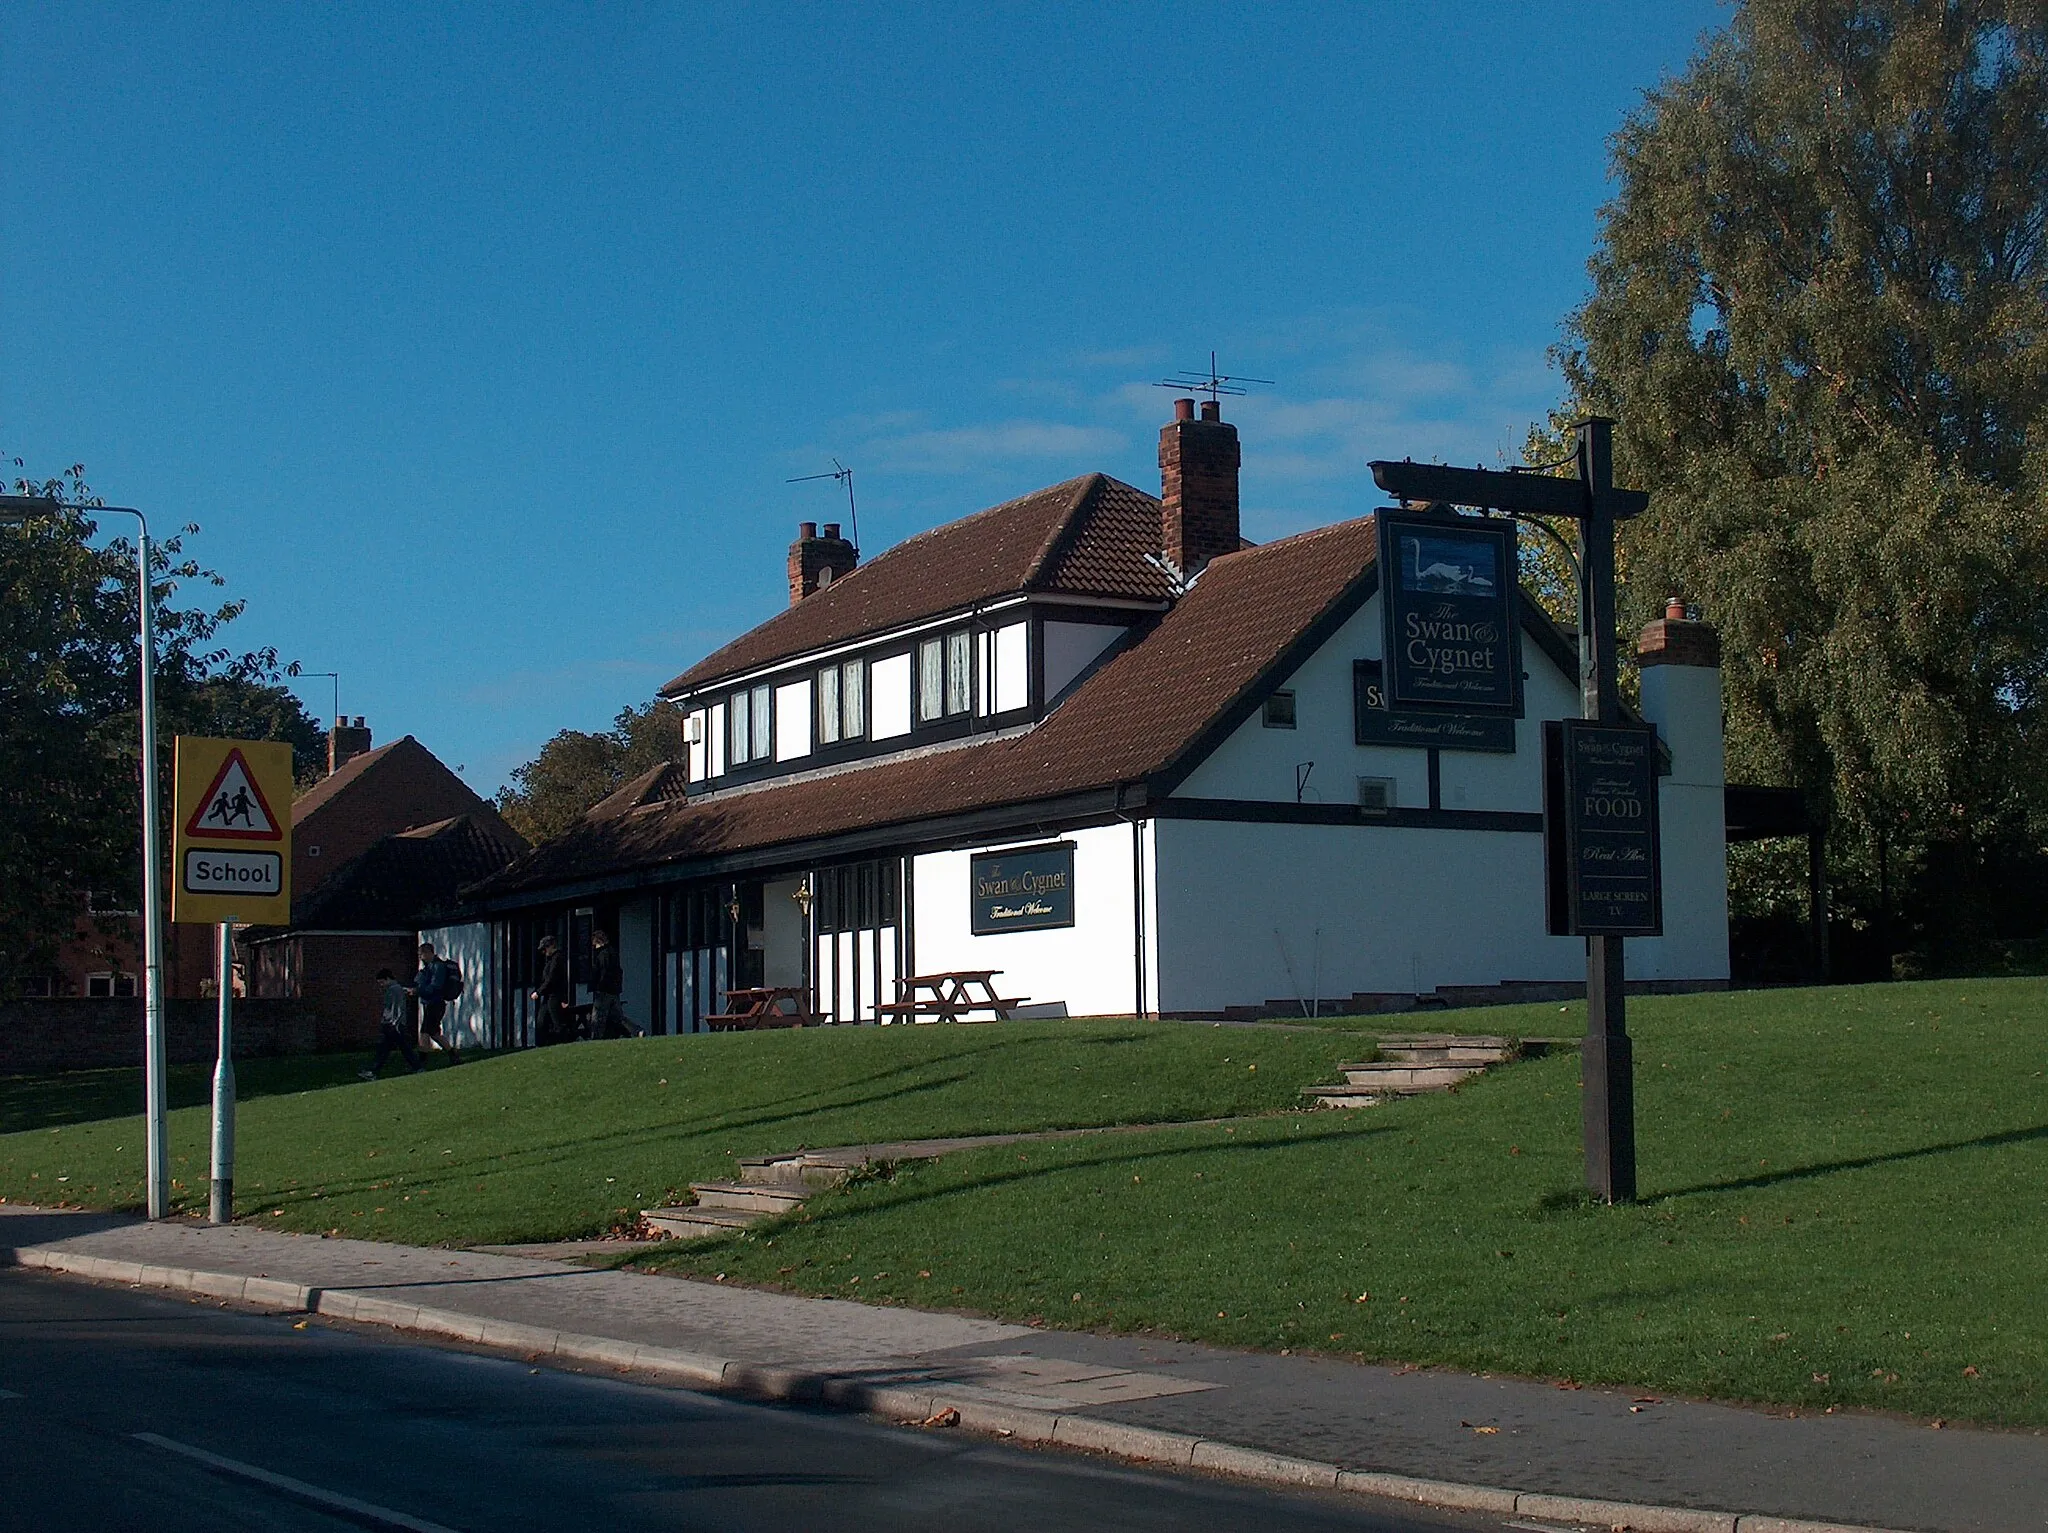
1095, 742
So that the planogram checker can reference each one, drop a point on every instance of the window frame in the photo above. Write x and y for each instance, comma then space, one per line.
1282, 716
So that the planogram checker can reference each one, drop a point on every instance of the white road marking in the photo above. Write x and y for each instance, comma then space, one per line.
383, 1516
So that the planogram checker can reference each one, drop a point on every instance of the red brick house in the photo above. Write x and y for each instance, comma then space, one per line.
379, 848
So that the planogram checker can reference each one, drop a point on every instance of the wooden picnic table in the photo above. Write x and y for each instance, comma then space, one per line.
943, 997
760, 1006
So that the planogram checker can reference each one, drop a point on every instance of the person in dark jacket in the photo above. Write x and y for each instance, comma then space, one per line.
607, 1017
437, 983
550, 995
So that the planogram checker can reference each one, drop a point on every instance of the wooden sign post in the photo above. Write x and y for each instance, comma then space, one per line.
1606, 1063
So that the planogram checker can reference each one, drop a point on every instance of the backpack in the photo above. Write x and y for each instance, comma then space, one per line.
451, 980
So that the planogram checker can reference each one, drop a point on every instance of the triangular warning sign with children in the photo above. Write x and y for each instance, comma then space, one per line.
234, 808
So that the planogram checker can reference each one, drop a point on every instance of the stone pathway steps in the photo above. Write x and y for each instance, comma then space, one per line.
775, 1184
1412, 1063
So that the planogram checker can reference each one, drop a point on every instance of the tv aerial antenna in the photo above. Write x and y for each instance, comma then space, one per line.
844, 475
1212, 383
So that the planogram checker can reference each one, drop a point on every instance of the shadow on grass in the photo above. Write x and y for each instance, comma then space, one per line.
1855, 1163
87, 1096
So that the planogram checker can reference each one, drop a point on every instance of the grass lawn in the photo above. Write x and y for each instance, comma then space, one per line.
1843, 1190
557, 1143
79, 1096
1843, 1204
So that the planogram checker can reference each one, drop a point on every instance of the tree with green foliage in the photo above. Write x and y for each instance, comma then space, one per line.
70, 735
576, 769
1820, 314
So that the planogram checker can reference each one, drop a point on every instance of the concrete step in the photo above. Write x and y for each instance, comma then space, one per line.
798, 1170
1443, 1040
1345, 1096
1442, 1053
1398, 1077
751, 1197
694, 1223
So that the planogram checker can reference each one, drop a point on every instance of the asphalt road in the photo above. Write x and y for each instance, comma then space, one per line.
122, 1411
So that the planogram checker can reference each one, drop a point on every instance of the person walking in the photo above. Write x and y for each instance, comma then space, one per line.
550, 995
607, 1017
437, 983
394, 1026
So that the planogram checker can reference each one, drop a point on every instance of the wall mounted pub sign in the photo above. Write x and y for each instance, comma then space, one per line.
1600, 829
1373, 723
1447, 593
1025, 890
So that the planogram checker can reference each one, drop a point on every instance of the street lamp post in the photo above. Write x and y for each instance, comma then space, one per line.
15, 509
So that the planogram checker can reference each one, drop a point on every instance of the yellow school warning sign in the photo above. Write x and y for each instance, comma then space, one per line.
233, 855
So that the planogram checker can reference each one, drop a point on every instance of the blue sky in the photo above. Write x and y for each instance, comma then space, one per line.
480, 341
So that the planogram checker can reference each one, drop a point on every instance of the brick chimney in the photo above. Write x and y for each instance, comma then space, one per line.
1198, 462
1675, 639
345, 742
816, 561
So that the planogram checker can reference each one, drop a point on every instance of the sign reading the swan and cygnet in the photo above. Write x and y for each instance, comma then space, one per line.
1025, 890
1447, 595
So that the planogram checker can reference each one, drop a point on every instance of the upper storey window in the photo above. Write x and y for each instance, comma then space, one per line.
945, 676
752, 721
842, 702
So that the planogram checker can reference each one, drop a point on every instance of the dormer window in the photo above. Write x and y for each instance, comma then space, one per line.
945, 676
752, 722
842, 702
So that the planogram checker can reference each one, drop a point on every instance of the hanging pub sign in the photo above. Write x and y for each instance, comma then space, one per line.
1025, 890
1447, 596
1373, 723
1600, 830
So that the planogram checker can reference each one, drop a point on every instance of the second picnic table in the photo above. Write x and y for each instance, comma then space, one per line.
943, 997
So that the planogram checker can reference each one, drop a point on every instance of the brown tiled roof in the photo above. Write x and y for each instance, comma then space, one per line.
410, 879
380, 793
1088, 536
1148, 713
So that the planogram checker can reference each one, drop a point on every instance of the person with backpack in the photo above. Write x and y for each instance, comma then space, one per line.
438, 982
607, 1016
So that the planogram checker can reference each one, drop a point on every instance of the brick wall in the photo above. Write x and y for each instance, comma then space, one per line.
37, 1036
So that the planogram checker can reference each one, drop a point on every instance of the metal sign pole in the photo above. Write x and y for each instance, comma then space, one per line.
222, 1203
1607, 1064
157, 1139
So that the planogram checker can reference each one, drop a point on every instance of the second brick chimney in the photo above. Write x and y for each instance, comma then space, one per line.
345, 742
816, 561
1198, 461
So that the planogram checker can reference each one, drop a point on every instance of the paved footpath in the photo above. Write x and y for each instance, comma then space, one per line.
1554, 1455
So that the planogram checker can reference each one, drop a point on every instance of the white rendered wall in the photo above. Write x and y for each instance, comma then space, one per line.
793, 720
636, 960
1013, 666
1684, 702
1259, 763
889, 698
1370, 908
1070, 648
1091, 965
698, 751
470, 946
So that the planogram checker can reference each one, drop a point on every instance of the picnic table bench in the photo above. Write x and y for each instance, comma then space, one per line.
760, 1006
943, 997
